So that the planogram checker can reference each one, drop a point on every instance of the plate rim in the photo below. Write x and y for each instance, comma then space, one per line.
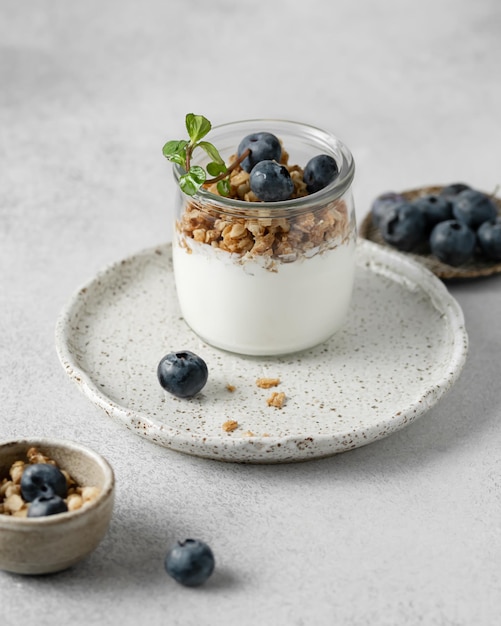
389, 262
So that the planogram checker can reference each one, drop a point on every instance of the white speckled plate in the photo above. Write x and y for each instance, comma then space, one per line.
401, 350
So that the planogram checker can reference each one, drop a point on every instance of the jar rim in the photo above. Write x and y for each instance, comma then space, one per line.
331, 192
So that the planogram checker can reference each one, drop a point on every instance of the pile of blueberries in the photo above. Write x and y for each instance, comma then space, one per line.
270, 180
456, 224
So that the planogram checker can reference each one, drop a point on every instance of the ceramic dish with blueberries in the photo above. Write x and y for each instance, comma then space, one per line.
56, 502
454, 230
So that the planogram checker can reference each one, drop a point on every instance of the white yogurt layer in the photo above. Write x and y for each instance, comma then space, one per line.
241, 306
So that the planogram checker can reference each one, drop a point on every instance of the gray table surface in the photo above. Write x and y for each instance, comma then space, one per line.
403, 531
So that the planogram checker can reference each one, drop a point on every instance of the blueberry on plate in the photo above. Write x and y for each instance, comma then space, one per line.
47, 505
190, 562
263, 147
42, 479
183, 374
271, 181
452, 190
382, 203
473, 208
435, 208
453, 242
403, 226
319, 172
489, 239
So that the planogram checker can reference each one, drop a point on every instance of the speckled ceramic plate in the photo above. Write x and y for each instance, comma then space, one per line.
401, 350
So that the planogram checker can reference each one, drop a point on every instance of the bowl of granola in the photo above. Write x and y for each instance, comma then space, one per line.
56, 502
264, 264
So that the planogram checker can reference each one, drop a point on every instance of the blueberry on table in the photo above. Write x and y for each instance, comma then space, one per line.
319, 172
183, 374
435, 208
453, 242
403, 226
271, 181
489, 239
190, 562
473, 208
263, 147
42, 479
47, 505
382, 203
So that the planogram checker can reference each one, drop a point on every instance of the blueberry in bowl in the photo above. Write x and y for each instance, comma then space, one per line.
403, 226
452, 242
42, 536
473, 208
489, 239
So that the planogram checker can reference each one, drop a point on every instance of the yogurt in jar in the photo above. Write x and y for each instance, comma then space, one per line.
248, 308
268, 278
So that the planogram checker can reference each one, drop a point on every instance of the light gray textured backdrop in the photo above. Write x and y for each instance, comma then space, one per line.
403, 532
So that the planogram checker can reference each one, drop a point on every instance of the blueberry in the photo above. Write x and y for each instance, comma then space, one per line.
403, 226
183, 374
435, 208
319, 172
190, 562
271, 182
473, 208
262, 146
382, 203
453, 242
47, 505
42, 479
452, 190
489, 239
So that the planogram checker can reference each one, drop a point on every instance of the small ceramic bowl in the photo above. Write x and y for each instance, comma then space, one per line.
43, 545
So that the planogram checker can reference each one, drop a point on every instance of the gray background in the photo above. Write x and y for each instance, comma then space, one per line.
404, 531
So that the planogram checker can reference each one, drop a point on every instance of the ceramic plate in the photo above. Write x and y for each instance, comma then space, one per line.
402, 348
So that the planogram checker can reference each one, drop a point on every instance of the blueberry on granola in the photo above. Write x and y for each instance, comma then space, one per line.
42, 480
271, 181
190, 562
449, 191
263, 147
47, 505
183, 374
453, 242
319, 172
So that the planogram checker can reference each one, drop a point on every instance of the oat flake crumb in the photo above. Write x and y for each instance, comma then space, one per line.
230, 426
277, 399
230, 388
266, 383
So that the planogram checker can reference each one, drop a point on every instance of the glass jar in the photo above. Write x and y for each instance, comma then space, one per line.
267, 278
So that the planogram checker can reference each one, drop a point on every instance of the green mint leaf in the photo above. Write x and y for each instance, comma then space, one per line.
191, 182
223, 186
197, 126
215, 169
212, 152
175, 151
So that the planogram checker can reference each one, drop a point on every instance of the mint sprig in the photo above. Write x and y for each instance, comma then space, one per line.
194, 176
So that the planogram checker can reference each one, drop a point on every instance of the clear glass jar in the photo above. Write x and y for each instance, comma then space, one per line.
267, 278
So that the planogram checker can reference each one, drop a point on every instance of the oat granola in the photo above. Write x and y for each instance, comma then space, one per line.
277, 399
267, 383
283, 238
